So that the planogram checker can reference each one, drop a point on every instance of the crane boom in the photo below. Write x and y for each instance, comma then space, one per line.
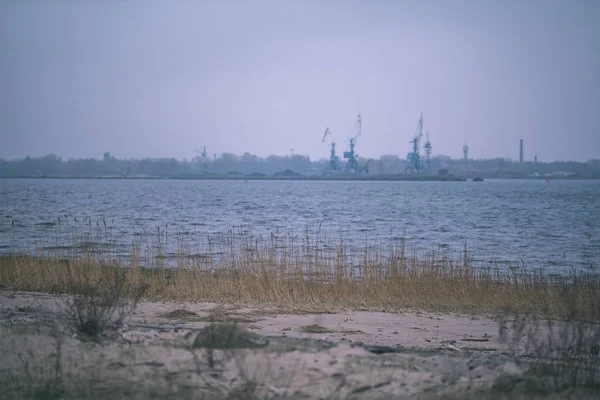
419, 130
359, 123
327, 132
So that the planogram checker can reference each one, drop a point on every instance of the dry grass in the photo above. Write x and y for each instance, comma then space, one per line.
316, 276
564, 354
102, 305
567, 352
315, 329
309, 277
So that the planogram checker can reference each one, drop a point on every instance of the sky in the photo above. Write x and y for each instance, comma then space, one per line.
163, 78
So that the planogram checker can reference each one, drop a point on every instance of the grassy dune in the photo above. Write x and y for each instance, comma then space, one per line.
309, 275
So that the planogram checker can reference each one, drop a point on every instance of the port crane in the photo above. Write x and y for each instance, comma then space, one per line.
352, 164
333, 165
415, 166
427, 146
203, 154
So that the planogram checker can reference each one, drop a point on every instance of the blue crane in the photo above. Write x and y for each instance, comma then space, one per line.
352, 164
334, 160
415, 166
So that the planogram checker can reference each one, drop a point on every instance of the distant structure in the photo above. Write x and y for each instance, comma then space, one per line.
415, 166
535, 159
521, 151
204, 164
106, 157
466, 155
333, 165
352, 164
428, 148
204, 155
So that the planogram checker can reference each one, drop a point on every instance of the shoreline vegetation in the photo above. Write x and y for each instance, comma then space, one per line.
269, 318
308, 274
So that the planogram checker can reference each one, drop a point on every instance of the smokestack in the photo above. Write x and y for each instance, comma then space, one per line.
521, 152
535, 158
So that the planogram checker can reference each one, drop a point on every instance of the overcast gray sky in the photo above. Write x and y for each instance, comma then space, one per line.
161, 78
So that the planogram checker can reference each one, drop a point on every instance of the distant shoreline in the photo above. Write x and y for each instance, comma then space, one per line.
255, 178
297, 178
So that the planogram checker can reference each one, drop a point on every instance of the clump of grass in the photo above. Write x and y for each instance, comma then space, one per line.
179, 313
566, 352
351, 331
33, 376
315, 329
93, 307
227, 336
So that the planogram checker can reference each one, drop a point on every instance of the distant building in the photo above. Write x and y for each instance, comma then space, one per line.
389, 164
106, 156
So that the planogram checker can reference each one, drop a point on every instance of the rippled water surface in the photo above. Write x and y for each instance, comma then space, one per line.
551, 225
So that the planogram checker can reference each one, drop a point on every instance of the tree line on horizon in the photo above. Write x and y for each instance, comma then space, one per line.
229, 163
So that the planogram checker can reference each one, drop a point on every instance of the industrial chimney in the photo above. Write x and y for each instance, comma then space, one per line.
521, 152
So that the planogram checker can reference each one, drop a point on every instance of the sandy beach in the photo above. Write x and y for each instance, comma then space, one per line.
300, 354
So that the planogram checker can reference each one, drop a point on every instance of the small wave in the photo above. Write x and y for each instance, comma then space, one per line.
58, 248
199, 255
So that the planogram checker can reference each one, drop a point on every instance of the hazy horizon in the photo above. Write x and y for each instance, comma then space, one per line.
321, 158
162, 78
